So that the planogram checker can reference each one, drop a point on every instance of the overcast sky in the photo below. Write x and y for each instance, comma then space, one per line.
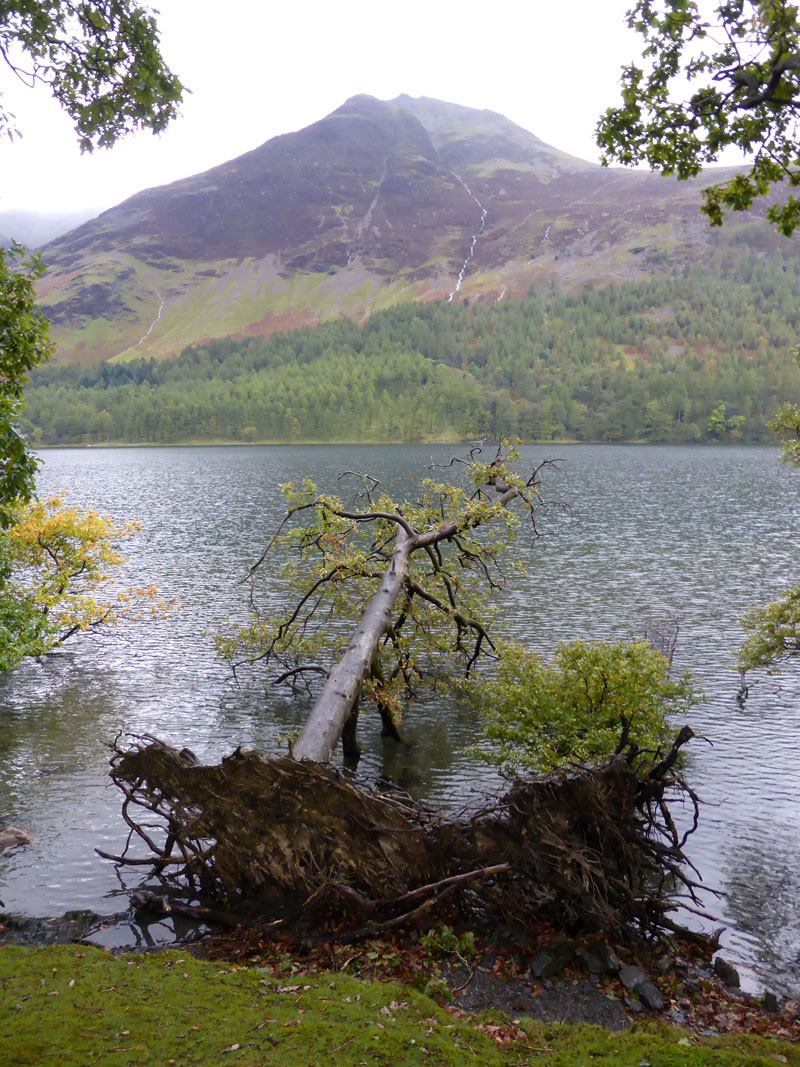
258, 68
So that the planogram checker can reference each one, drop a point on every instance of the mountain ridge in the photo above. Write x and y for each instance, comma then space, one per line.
377, 203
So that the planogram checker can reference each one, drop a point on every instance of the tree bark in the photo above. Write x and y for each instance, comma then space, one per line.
340, 692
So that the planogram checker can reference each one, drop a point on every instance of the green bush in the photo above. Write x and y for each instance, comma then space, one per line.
773, 633
539, 716
442, 941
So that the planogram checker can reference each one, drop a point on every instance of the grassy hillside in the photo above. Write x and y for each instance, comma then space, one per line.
699, 354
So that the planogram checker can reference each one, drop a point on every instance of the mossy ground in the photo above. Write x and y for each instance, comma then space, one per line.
76, 1005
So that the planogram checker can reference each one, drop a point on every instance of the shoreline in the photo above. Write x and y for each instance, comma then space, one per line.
401, 1000
442, 442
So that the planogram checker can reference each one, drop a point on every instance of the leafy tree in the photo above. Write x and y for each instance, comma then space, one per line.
708, 84
773, 630
419, 578
416, 576
539, 716
720, 423
24, 344
786, 426
744, 67
773, 633
61, 578
100, 60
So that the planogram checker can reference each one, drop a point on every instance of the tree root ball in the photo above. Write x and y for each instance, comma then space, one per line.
592, 849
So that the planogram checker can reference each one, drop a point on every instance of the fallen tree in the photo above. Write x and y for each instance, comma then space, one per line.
593, 847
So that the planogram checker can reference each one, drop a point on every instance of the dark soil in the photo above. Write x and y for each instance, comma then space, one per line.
574, 1001
499, 977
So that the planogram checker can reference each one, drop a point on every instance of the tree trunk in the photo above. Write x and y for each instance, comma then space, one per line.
323, 729
351, 750
340, 692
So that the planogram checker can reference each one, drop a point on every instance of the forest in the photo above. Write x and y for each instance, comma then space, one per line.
700, 353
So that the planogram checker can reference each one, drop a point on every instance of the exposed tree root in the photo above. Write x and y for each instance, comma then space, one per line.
593, 849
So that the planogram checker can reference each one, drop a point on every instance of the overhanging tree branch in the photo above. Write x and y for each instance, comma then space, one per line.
101, 61
743, 61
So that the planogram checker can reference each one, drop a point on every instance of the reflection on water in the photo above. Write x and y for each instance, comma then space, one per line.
698, 533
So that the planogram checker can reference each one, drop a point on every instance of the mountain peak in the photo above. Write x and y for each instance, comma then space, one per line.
379, 201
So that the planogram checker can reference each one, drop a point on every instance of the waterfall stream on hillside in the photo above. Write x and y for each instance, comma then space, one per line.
475, 237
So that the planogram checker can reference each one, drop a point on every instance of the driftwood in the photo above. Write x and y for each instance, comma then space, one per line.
592, 849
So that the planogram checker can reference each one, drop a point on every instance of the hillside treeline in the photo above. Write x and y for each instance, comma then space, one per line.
699, 354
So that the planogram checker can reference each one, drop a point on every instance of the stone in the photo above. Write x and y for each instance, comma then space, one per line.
605, 957
70, 927
727, 972
592, 963
770, 1002
650, 995
632, 977
551, 960
12, 836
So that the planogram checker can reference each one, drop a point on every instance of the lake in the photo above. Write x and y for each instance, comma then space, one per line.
697, 533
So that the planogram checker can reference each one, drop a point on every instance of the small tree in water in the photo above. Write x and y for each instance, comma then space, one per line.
415, 579
539, 716
389, 596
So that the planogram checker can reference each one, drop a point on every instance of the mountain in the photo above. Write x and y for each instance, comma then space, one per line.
33, 228
379, 203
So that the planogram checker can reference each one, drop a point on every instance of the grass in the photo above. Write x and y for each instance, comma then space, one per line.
73, 1005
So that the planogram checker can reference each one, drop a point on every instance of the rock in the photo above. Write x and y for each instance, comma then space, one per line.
727, 972
12, 836
22, 930
593, 964
636, 981
632, 977
770, 1002
551, 961
651, 996
599, 959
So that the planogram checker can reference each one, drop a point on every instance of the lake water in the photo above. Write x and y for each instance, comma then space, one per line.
699, 533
